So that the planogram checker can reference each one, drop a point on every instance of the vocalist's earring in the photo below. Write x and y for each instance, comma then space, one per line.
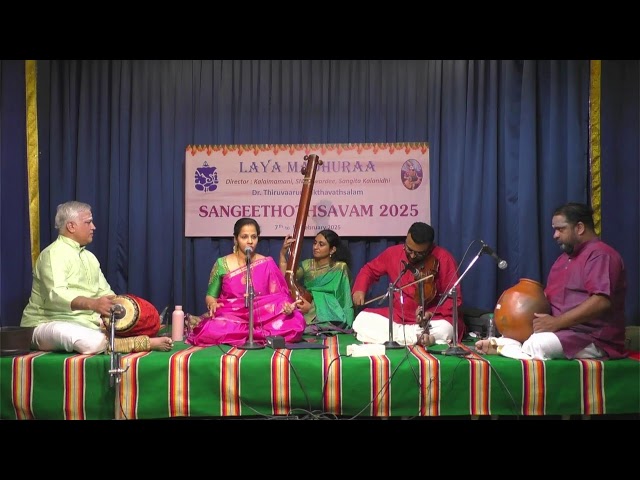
235, 247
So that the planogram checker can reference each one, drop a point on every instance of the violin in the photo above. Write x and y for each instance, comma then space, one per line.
426, 291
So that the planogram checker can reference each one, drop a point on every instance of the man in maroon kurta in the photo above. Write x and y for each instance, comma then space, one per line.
586, 290
423, 259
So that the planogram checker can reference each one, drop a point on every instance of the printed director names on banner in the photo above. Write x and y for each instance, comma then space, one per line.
359, 190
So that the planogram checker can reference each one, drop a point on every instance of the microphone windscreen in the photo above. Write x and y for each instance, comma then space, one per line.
118, 311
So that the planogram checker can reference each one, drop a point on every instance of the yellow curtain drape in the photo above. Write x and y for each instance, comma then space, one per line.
32, 158
594, 143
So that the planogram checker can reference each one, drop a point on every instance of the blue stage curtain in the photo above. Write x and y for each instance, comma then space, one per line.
620, 144
508, 143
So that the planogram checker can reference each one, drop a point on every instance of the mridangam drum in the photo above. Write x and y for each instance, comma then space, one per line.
140, 318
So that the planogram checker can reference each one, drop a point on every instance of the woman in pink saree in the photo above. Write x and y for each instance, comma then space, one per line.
227, 319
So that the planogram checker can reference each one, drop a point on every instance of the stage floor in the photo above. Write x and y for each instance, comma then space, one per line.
231, 383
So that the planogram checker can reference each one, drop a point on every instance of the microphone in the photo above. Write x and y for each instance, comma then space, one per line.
118, 311
248, 251
409, 267
502, 264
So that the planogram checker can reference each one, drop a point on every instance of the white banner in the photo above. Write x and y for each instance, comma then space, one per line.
359, 189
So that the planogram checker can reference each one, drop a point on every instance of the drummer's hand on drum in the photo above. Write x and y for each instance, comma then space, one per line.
103, 305
543, 322
358, 298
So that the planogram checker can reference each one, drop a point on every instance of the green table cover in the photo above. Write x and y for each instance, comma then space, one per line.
222, 381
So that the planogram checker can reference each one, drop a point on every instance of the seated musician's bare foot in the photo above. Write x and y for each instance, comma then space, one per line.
161, 344
486, 348
426, 339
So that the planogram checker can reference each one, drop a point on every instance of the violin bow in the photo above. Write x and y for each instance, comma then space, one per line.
399, 288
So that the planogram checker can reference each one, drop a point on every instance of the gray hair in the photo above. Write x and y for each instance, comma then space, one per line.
69, 211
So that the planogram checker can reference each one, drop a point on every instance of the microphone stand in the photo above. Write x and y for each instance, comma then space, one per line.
391, 343
248, 302
115, 371
422, 312
455, 348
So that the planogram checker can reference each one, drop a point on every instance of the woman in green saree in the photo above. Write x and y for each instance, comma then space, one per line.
327, 277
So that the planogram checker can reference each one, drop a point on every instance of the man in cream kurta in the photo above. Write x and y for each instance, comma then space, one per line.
70, 293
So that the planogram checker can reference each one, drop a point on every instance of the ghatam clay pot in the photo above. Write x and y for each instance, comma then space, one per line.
514, 312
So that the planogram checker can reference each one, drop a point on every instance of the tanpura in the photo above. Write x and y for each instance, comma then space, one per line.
309, 171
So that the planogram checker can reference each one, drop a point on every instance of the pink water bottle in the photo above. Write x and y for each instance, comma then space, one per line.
177, 324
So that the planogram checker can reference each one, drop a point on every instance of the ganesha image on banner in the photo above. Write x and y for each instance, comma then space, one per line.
206, 178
